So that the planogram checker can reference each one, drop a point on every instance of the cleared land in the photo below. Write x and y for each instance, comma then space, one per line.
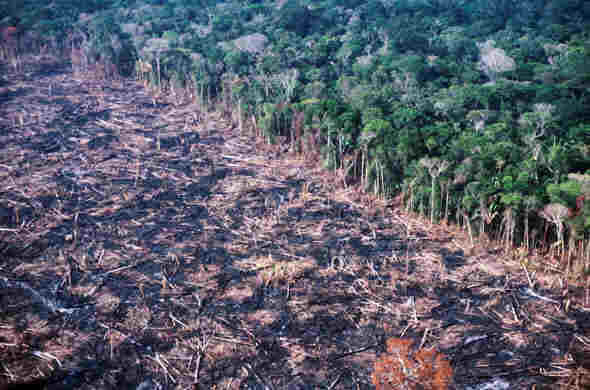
143, 242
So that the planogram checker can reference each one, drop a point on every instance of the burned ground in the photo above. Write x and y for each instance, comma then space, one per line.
143, 248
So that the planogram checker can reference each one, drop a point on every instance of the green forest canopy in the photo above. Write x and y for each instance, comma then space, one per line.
473, 109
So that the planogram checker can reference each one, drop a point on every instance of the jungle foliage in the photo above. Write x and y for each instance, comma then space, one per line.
477, 111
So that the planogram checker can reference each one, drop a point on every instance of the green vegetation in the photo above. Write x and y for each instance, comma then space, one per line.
477, 111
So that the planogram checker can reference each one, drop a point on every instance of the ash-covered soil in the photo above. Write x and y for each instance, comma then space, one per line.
145, 244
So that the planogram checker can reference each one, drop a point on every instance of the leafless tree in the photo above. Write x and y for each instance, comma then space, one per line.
154, 49
530, 204
288, 81
494, 60
556, 213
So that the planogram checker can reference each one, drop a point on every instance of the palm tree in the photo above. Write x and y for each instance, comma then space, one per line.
435, 167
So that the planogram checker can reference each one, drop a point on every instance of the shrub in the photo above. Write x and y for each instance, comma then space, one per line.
400, 368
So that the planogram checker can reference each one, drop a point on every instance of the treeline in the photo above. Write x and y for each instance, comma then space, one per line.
475, 111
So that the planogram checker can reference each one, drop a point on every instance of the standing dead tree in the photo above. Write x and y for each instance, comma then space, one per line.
556, 213
9, 43
288, 82
9, 46
297, 131
143, 71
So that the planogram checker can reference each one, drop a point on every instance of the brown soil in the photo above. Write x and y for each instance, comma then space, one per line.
146, 245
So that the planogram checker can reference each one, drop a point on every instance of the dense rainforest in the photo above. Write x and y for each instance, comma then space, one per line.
477, 112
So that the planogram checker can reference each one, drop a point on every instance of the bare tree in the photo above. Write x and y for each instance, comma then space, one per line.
556, 213
154, 49
8, 42
288, 81
364, 140
530, 204
509, 225
444, 193
494, 60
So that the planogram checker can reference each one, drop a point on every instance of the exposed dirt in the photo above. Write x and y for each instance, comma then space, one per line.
146, 245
